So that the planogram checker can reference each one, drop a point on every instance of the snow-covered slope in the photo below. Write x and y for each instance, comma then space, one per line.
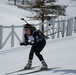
10, 15
71, 7
59, 53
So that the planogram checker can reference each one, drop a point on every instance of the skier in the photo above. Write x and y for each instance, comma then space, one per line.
33, 37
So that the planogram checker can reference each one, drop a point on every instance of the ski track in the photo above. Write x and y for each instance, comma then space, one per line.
58, 53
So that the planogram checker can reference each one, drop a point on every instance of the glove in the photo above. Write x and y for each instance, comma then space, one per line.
30, 43
22, 43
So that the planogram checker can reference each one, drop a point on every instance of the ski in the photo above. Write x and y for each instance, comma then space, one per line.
21, 70
38, 70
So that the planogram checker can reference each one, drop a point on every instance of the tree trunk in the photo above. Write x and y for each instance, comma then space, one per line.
14, 2
42, 18
43, 22
22, 1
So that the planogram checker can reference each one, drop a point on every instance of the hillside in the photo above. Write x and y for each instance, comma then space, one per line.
59, 53
10, 15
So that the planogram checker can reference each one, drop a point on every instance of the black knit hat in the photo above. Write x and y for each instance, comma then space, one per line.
29, 26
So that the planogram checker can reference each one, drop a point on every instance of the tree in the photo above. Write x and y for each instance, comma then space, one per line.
22, 1
45, 10
14, 2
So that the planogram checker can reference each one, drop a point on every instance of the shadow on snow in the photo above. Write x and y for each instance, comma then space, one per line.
65, 71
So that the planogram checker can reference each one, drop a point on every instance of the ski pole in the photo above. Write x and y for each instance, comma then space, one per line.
24, 20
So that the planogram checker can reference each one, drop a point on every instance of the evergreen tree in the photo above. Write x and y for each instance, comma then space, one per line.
45, 10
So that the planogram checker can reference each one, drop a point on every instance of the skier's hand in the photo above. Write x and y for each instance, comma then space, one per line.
22, 43
30, 43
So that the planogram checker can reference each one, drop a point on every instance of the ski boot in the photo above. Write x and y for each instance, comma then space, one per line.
28, 65
44, 65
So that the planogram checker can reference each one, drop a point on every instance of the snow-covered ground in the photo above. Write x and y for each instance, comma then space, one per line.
10, 15
71, 7
59, 53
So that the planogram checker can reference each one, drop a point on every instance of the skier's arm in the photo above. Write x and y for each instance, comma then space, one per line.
25, 41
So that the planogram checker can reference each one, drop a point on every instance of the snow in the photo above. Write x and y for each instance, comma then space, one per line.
71, 7
59, 53
10, 15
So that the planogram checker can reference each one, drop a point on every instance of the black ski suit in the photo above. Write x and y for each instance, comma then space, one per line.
38, 44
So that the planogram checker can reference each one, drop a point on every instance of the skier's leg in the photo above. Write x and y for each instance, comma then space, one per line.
31, 54
39, 55
40, 47
44, 65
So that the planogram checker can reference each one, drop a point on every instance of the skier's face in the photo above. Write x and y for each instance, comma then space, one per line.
27, 31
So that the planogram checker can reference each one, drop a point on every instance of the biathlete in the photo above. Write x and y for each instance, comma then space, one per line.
33, 37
